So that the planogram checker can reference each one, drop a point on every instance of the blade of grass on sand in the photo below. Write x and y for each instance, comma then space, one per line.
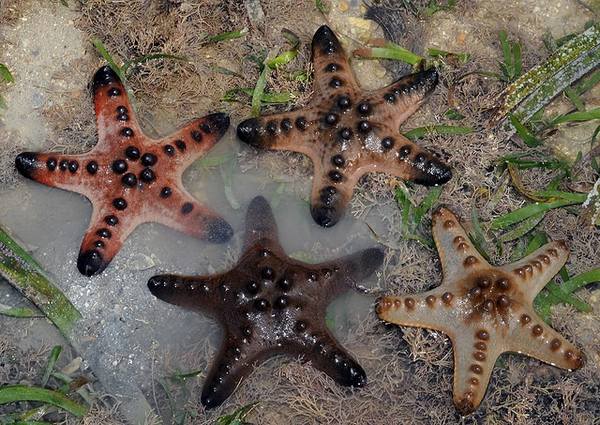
182, 376
259, 90
420, 132
523, 228
577, 198
581, 280
533, 90
437, 53
15, 393
282, 59
5, 74
524, 161
387, 50
527, 136
26, 275
453, 114
52, 359
267, 97
553, 295
227, 171
18, 312
527, 211
289, 55
575, 98
579, 116
477, 236
517, 182
404, 202
225, 36
321, 6
146, 58
237, 417
430, 199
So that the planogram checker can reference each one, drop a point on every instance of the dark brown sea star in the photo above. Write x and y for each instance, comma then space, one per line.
485, 310
270, 304
347, 132
129, 177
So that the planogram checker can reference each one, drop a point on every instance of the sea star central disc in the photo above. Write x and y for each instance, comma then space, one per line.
485, 310
347, 132
270, 304
129, 177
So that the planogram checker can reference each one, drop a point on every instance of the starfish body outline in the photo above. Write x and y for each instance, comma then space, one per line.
347, 132
485, 310
270, 304
129, 177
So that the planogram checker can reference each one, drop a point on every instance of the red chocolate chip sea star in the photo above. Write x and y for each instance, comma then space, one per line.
129, 177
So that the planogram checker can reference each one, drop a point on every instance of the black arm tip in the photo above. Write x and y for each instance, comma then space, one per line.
103, 77
325, 216
217, 122
26, 163
90, 263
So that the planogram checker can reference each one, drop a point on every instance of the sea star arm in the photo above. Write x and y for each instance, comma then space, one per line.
398, 101
475, 354
194, 139
332, 70
403, 159
177, 209
533, 272
295, 131
327, 355
343, 274
532, 337
198, 293
431, 310
260, 223
57, 170
289, 131
457, 254
233, 363
328, 199
115, 117
106, 233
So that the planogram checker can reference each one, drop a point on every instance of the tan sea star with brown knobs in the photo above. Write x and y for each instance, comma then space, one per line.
348, 132
485, 310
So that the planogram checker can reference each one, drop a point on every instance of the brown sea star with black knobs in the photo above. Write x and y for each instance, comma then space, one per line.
270, 304
485, 310
347, 132
129, 177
